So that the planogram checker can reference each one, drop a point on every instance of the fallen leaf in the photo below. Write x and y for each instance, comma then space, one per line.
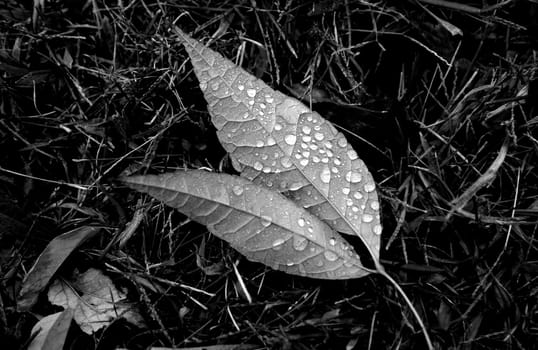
277, 141
51, 331
94, 299
48, 263
261, 224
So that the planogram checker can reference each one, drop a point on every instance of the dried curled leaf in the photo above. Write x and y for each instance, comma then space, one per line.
277, 141
261, 224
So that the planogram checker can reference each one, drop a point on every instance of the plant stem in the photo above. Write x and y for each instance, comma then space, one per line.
382, 271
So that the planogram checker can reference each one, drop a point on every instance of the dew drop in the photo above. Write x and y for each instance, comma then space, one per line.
251, 92
346, 190
269, 99
307, 138
300, 243
306, 154
313, 146
354, 209
271, 141
352, 154
286, 162
298, 156
277, 244
278, 126
266, 220
349, 202
332, 242
264, 156
303, 162
328, 144
334, 170
325, 160
306, 129
377, 229
301, 222
325, 175
353, 177
369, 187
241, 87
266, 170
329, 153
310, 229
259, 143
258, 166
330, 255
295, 186
315, 159
290, 139
237, 190
357, 195
374, 205
319, 263
319, 136
262, 105
251, 102
342, 142
367, 218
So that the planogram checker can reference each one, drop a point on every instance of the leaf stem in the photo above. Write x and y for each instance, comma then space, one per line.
411, 306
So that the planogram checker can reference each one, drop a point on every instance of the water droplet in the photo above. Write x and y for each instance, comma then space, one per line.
354, 209
353, 177
271, 141
315, 159
345, 190
295, 186
278, 126
310, 229
332, 242
258, 166
251, 92
319, 263
319, 136
269, 99
277, 244
352, 154
306, 129
303, 162
331, 256
290, 139
301, 222
377, 229
259, 143
325, 160
241, 87
266, 170
374, 205
357, 195
286, 162
349, 202
290, 263
313, 146
337, 161
300, 243
306, 154
342, 142
215, 86
264, 156
369, 187
298, 156
309, 118
266, 220
328, 144
307, 138
334, 170
262, 105
367, 218
330, 153
325, 175
251, 102
237, 190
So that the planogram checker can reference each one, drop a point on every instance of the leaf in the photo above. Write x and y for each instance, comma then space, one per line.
94, 299
261, 224
49, 261
277, 141
51, 331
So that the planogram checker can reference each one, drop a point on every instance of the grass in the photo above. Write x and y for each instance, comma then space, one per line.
446, 123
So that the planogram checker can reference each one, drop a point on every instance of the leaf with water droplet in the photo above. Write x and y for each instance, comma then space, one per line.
314, 157
261, 224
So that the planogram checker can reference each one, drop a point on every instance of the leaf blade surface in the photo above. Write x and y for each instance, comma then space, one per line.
261, 224
277, 141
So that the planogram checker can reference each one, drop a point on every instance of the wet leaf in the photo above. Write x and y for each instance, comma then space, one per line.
48, 263
275, 140
51, 331
260, 223
94, 300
